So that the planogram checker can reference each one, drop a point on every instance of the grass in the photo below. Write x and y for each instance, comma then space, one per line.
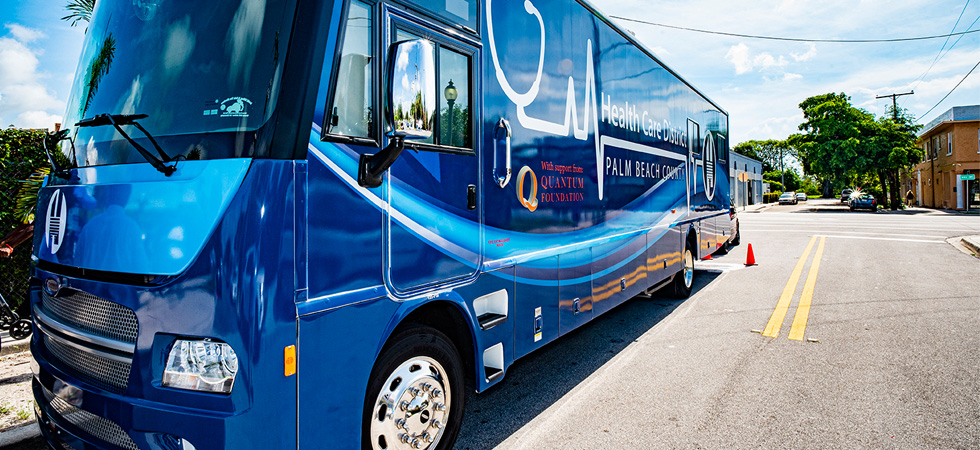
5, 409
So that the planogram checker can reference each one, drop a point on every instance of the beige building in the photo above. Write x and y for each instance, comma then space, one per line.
952, 155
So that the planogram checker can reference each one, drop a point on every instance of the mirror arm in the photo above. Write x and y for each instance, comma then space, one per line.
371, 167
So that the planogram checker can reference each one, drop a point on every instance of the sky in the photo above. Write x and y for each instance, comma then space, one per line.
759, 82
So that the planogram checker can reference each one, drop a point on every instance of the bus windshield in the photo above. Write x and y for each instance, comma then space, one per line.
193, 68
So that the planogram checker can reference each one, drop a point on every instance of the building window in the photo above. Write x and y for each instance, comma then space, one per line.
935, 147
949, 144
925, 152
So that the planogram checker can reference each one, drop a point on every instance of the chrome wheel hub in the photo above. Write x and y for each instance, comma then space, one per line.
688, 268
412, 408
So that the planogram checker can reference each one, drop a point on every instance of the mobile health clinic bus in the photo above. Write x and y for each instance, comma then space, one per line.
317, 224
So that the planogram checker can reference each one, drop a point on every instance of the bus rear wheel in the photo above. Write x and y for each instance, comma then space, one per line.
683, 280
415, 397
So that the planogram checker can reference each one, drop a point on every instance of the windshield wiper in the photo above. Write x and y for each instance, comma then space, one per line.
159, 163
55, 138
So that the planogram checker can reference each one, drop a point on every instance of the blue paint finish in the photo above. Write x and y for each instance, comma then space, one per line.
132, 219
575, 290
528, 299
245, 301
335, 355
266, 253
502, 279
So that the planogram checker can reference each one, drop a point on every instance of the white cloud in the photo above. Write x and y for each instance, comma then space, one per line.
791, 76
740, 56
805, 56
36, 119
25, 101
24, 34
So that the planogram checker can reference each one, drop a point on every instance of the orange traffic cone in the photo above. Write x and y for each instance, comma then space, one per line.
706, 258
750, 257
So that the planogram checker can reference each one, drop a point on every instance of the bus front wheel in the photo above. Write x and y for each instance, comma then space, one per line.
415, 397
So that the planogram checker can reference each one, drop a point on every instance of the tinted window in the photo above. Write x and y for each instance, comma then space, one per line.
352, 113
454, 127
194, 68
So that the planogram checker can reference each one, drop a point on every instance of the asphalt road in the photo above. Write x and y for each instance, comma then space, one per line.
887, 359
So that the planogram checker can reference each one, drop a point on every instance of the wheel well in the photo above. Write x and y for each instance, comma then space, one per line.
448, 319
692, 240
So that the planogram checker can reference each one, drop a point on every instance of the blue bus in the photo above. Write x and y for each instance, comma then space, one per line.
319, 223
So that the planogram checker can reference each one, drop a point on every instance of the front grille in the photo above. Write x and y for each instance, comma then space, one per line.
103, 372
93, 314
102, 428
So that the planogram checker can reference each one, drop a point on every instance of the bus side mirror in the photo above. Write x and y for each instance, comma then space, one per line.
411, 105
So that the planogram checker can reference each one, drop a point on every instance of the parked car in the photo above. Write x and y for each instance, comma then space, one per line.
863, 201
845, 195
787, 198
801, 196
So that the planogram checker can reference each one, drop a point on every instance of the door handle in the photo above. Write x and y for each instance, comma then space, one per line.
471, 197
502, 132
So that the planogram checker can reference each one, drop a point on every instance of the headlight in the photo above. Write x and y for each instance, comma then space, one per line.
204, 365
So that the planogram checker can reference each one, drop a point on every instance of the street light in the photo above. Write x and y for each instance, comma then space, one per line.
451, 95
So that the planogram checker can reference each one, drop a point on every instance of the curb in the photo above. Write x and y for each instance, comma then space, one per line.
972, 243
17, 435
10, 347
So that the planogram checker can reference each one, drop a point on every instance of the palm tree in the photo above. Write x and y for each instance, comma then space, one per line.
80, 10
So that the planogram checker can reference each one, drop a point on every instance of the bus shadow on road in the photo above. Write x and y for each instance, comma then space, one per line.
539, 380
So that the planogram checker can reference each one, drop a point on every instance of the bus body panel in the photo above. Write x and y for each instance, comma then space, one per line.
232, 292
614, 170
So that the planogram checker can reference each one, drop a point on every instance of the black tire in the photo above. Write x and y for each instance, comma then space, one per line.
738, 235
680, 286
21, 329
419, 366
7, 321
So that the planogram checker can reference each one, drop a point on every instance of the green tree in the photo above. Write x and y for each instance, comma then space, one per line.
769, 152
789, 179
894, 149
837, 139
79, 11
21, 155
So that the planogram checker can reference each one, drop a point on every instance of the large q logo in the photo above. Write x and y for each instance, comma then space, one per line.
531, 201
55, 221
708, 159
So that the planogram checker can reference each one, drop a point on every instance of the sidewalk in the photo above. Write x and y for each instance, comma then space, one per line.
15, 392
758, 207
10, 346
972, 243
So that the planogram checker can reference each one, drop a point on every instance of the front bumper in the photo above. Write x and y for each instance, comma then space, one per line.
75, 416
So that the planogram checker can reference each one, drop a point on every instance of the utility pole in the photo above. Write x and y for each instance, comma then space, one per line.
895, 190
894, 102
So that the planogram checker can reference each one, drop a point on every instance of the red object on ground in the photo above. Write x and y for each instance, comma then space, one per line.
750, 257
706, 258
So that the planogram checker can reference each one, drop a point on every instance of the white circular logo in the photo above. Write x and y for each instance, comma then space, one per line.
708, 159
54, 225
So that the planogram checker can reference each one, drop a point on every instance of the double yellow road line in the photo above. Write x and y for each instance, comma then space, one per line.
803, 309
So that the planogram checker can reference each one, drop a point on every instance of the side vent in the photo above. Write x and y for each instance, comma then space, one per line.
493, 362
491, 309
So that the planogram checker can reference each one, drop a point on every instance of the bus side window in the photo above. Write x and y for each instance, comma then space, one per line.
352, 113
454, 104
454, 127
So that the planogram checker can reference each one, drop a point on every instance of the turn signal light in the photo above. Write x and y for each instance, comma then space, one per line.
289, 360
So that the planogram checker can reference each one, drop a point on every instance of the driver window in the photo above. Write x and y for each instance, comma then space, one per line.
352, 113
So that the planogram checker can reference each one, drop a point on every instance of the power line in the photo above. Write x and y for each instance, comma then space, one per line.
940, 54
951, 90
774, 38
